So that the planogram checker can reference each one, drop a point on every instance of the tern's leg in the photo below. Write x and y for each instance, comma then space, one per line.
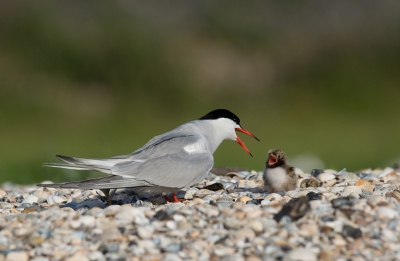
109, 194
174, 198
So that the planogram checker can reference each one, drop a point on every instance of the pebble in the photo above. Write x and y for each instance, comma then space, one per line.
244, 199
229, 217
31, 199
386, 212
17, 256
364, 185
301, 254
53, 199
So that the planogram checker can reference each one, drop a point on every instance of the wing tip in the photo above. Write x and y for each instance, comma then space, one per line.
66, 159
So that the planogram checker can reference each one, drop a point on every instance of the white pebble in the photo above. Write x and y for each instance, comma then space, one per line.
171, 224
88, 221
141, 220
53, 199
351, 191
17, 256
301, 254
145, 232
386, 212
31, 199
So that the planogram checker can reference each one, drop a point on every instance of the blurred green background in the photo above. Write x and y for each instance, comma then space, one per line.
99, 79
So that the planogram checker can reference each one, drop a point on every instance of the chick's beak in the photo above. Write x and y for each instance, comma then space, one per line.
241, 143
272, 159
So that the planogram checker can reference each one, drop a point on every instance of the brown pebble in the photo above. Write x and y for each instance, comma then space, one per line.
244, 199
364, 184
29, 209
326, 255
356, 244
394, 194
194, 234
310, 183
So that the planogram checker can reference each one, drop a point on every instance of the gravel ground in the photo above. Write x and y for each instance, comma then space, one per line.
331, 216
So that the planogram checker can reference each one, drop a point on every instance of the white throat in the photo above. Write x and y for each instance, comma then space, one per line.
215, 131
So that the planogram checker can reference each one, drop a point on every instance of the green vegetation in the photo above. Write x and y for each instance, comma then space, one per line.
99, 79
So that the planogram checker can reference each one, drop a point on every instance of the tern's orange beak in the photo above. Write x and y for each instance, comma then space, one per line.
241, 143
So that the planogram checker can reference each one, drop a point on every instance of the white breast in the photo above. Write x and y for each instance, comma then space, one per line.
277, 176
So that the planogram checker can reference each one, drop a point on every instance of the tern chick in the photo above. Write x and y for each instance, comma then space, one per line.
278, 175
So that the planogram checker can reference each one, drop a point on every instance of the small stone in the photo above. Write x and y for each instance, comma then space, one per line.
88, 221
2, 193
386, 212
300, 254
198, 201
214, 187
324, 177
77, 257
17, 256
394, 194
74, 224
244, 199
111, 210
255, 201
295, 209
256, 225
221, 250
171, 224
141, 220
392, 176
96, 256
29, 209
224, 202
310, 183
31, 199
364, 184
36, 240
126, 214
338, 240
53, 199
172, 248
171, 257
313, 196
326, 255
245, 234
341, 202
184, 225
352, 191
309, 228
145, 232
349, 231
316, 172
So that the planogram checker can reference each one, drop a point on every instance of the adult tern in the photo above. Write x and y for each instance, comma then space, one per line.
167, 163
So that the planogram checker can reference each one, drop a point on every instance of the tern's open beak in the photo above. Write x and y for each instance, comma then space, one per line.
241, 143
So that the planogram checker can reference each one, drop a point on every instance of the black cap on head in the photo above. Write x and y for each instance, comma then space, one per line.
221, 113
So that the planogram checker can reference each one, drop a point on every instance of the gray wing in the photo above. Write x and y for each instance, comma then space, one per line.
170, 165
